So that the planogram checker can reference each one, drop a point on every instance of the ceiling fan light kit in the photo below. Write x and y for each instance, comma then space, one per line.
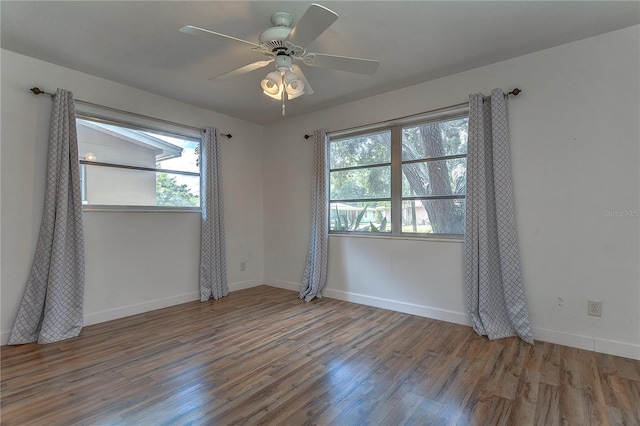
293, 85
283, 44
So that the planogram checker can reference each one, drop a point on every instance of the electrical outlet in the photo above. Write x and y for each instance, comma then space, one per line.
243, 266
594, 308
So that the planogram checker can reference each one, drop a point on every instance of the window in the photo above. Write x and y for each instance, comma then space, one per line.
405, 179
124, 166
360, 183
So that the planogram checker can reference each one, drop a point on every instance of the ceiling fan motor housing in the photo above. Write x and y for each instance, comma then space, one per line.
274, 37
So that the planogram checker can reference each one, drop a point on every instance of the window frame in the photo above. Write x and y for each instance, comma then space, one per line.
104, 115
368, 166
395, 127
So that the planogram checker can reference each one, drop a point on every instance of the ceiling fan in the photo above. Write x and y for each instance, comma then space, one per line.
283, 45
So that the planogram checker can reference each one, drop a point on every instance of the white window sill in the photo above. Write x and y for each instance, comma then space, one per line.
422, 238
140, 209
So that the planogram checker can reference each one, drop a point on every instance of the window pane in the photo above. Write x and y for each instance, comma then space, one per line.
118, 145
441, 177
123, 187
362, 150
371, 216
177, 190
113, 186
374, 182
435, 139
107, 143
433, 216
187, 161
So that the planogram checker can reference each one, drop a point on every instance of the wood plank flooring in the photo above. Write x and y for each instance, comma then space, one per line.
261, 356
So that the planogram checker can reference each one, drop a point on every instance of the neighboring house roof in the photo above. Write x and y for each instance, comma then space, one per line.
163, 150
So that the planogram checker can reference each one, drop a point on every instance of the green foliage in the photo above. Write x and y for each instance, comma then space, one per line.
344, 225
361, 150
383, 226
446, 216
369, 150
170, 193
342, 222
428, 178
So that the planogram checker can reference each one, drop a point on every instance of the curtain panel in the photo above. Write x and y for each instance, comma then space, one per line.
52, 304
213, 263
493, 278
315, 271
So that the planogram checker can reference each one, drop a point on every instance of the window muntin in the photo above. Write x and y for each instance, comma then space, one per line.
124, 167
361, 150
360, 183
415, 218
434, 170
430, 164
435, 177
360, 216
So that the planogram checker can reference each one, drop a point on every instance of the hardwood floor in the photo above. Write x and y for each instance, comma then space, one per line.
261, 356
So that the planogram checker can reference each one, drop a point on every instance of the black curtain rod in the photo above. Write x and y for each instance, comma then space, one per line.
37, 91
514, 92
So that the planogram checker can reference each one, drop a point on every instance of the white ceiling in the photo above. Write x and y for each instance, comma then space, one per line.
138, 44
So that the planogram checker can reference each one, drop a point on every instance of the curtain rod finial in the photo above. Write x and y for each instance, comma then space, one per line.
515, 92
36, 90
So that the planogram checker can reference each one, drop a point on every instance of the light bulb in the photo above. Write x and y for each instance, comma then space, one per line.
293, 85
271, 85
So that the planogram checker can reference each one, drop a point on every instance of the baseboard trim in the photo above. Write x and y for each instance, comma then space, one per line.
567, 339
4, 337
152, 305
244, 284
378, 302
398, 306
139, 308
614, 347
590, 343
611, 347
286, 285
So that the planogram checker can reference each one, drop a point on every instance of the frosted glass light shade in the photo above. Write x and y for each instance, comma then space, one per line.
271, 84
293, 85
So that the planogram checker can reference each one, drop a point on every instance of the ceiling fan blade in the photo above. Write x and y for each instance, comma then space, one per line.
314, 22
307, 87
242, 70
342, 63
201, 32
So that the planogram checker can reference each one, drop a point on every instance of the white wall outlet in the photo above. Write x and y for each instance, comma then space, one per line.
594, 308
243, 266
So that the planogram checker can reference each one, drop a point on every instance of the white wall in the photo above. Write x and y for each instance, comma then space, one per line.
575, 150
134, 261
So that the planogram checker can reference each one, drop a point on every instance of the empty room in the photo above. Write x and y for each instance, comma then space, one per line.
336, 213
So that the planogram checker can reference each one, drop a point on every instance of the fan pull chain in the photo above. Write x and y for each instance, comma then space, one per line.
283, 94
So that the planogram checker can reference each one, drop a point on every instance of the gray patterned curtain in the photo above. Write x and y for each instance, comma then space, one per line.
315, 272
495, 292
51, 307
213, 264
